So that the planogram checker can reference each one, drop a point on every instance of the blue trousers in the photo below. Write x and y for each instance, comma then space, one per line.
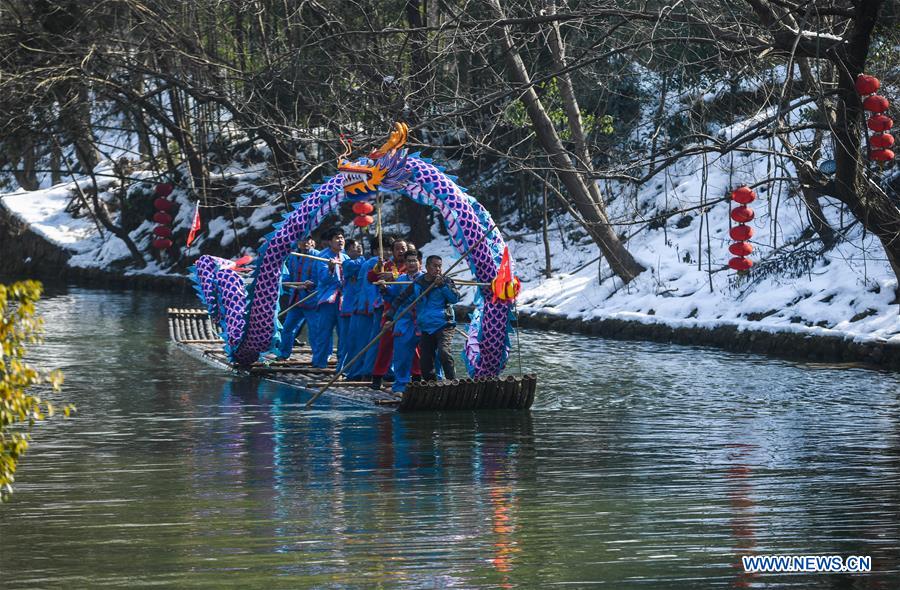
344, 340
321, 335
293, 323
363, 328
404, 352
372, 354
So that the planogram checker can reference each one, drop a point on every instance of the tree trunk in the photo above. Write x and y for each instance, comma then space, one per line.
620, 260
573, 111
23, 162
880, 216
185, 141
811, 198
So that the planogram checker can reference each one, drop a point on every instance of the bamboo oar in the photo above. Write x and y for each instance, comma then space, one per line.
302, 255
471, 283
388, 325
378, 228
460, 282
287, 309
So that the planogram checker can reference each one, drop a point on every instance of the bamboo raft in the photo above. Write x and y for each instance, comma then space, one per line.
192, 331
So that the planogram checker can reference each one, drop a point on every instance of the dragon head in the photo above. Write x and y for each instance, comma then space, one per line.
384, 168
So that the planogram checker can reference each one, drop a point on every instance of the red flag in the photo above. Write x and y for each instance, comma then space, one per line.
503, 278
195, 225
504, 272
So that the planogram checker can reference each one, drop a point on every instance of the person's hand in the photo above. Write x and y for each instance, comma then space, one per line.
308, 284
439, 280
331, 264
385, 276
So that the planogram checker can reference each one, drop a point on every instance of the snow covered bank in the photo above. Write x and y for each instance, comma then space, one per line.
676, 226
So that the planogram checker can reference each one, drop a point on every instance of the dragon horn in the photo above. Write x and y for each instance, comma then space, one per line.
396, 140
348, 149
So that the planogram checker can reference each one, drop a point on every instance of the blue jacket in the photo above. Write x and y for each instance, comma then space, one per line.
296, 269
434, 311
350, 285
400, 296
328, 280
369, 297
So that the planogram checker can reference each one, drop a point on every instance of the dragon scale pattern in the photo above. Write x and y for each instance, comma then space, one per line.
248, 318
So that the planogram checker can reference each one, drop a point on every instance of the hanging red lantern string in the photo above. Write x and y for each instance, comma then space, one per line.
163, 216
741, 248
879, 122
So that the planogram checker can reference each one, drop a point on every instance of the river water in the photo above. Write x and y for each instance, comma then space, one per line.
641, 465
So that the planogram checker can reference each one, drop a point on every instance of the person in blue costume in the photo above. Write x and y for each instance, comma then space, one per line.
405, 334
350, 288
435, 319
328, 301
366, 321
300, 270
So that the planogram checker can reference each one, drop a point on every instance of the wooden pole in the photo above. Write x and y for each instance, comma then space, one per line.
378, 227
287, 309
302, 255
388, 325
464, 283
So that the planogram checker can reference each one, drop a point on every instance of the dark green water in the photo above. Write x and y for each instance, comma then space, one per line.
640, 466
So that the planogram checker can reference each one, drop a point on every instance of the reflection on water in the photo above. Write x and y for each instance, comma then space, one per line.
641, 465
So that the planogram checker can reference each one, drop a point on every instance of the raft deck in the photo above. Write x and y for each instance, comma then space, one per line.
193, 332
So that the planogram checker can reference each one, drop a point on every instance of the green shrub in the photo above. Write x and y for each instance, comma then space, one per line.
19, 409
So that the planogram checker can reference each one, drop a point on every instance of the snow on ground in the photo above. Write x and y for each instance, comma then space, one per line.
45, 211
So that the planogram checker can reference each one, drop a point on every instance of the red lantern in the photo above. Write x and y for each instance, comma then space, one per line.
162, 243
363, 220
164, 189
743, 195
739, 233
742, 214
362, 208
741, 248
880, 123
740, 263
876, 104
881, 155
882, 140
162, 218
162, 231
162, 204
867, 84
